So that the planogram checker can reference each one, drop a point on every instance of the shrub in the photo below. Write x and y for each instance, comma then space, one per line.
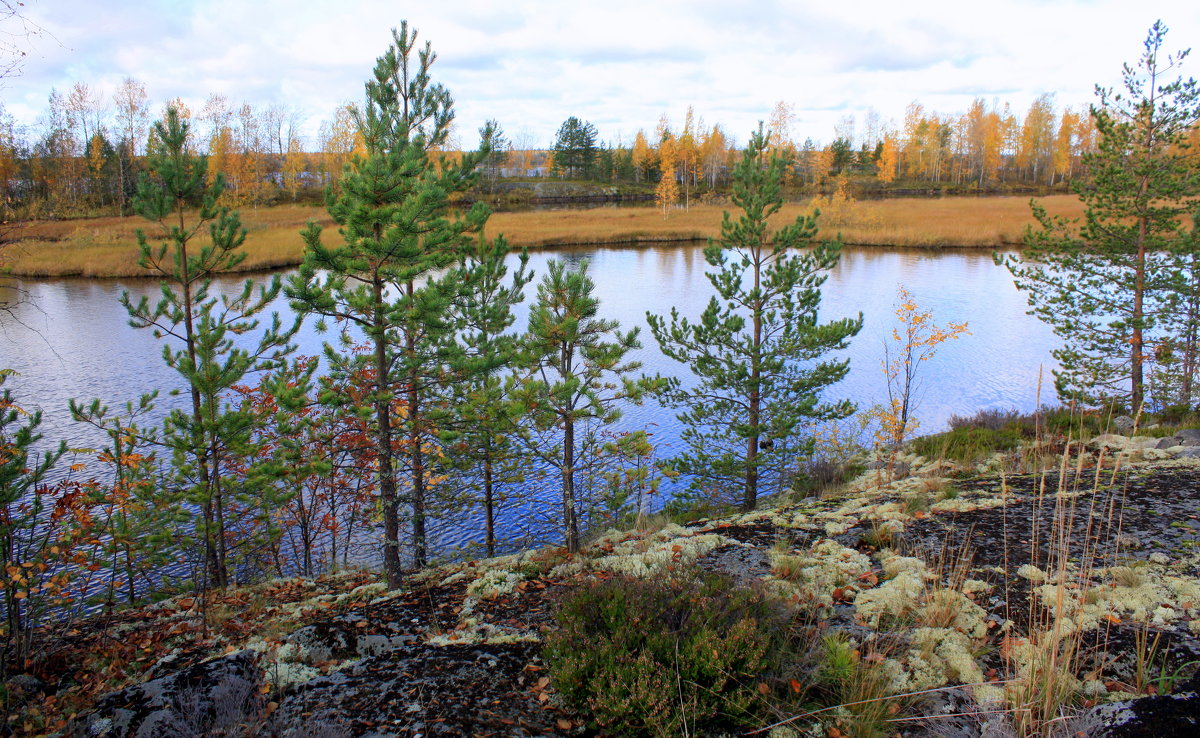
967, 444
990, 419
668, 657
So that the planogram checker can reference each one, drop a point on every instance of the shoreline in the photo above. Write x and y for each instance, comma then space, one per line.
105, 248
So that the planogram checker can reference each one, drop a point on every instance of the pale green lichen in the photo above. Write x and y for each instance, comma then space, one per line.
482, 633
895, 598
652, 555
284, 675
1032, 573
1145, 594
975, 586
494, 583
949, 608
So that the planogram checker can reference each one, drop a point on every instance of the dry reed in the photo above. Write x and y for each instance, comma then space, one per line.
106, 247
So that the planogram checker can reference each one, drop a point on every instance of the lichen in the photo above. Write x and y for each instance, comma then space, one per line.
1032, 573
897, 597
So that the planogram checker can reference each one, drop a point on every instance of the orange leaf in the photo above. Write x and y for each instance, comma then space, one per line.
563, 724
763, 688
795, 685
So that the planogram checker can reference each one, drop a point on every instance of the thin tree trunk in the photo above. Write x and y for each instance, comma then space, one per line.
570, 524
388, 496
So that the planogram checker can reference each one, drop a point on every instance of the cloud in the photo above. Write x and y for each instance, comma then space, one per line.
532, 63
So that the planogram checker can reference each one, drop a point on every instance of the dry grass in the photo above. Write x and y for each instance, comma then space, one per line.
106, 247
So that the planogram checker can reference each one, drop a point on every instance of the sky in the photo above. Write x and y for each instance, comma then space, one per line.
620, 64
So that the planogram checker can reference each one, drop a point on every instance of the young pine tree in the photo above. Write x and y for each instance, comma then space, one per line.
387, 279
199, 326
756, 350
577, 378
1104, 285
485, 412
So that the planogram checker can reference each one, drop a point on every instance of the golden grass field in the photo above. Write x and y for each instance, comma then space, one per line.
107, 247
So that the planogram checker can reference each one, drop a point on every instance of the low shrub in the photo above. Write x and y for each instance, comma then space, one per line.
967, 445
670, 657
990, 419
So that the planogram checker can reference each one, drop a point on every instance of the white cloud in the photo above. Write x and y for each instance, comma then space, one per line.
620, 63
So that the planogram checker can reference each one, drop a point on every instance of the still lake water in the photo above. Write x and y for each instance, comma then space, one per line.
70, 338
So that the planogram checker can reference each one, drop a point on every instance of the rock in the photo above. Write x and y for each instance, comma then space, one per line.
743, 564
199, 700
1190, 452
340, 639
1110, 440
1122, 423
900, 469
326, 641
23, 688
1147, 717
1189, 434
1168, 442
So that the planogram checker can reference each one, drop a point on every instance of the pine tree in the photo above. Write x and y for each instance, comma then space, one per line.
387, 277
1104, 284
577, 377
483, 450
201, 327
752, 348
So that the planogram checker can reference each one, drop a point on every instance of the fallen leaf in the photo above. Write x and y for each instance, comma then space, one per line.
563, 724
763, 688
795, 685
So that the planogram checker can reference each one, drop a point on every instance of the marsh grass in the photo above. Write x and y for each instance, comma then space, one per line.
106, 247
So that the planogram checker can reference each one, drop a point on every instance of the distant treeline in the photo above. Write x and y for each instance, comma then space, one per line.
84, 154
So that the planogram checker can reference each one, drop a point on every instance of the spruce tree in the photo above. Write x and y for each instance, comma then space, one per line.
200, 327
387, 278
1104, 284
757, 348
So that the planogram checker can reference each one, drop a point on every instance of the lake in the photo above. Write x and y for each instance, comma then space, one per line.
70, 338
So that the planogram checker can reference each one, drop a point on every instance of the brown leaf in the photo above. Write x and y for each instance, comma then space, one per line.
763, 688
564, 724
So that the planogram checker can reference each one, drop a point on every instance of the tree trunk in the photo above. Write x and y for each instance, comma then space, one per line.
489, 505
570, 525
388, 496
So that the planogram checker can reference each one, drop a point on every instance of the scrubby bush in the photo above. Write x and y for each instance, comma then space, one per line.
967, 445
671, 656
990, 419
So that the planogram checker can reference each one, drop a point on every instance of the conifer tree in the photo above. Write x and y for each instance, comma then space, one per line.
757, 348
485, 411
577, 377
200, 327
1104, 284
387, 277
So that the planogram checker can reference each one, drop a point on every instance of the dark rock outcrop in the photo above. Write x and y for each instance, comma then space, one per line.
203, 699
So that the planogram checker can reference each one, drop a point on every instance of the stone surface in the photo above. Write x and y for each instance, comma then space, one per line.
1148, 717
200, 700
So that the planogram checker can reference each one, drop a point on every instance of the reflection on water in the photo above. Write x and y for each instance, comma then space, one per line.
71, 338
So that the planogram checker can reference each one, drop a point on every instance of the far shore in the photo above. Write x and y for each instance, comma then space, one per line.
107, 246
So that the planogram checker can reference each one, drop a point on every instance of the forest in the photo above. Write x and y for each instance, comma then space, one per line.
84, 154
